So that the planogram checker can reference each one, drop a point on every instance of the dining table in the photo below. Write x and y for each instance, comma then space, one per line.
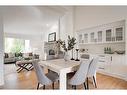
61, 67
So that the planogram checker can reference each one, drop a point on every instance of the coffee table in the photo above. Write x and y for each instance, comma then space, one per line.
24, 64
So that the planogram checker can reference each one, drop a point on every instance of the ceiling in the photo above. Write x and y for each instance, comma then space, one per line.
30, 19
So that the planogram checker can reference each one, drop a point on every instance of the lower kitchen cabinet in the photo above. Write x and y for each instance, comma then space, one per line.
118, 66
113, 65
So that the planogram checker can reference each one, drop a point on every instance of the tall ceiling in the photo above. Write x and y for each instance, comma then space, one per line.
30, 19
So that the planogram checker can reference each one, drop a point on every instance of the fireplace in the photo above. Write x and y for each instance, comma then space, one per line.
52, 51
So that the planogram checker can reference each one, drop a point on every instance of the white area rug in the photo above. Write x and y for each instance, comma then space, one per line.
9, 68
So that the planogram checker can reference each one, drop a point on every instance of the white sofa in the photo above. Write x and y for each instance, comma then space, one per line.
10, 58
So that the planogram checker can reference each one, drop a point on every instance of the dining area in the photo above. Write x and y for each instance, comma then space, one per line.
66, 73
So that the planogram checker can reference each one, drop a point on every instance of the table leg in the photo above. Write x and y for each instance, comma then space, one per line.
63, 83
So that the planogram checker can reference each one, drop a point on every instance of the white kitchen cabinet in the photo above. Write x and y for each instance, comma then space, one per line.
115, 34
118, 66
80, 37
104, 64
85, 37
113, 65
99, 36
108, 36
119, 33
108, 33
92, 37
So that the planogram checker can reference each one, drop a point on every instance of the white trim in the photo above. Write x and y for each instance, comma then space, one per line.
112, 75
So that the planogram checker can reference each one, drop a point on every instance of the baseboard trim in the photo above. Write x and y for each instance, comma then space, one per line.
113, 75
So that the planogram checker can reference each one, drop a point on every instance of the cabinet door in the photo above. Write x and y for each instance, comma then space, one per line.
109, 35
118, 65
101, 63
80, 38
86, 38
99, 36
119, 34
92, 37
104, 63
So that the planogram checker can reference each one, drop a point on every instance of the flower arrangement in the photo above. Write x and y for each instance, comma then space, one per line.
71, 43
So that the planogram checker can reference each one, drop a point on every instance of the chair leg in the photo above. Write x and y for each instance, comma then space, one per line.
73, 86
43, 86
53, 85
94, 82
85, 85
38, 85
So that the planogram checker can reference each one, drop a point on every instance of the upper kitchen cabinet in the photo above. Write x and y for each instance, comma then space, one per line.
99, 36
119, 33
86, 38
92, 37
107, 33
80, 38
115, 34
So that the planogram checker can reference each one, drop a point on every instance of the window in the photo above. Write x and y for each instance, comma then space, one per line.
16, 45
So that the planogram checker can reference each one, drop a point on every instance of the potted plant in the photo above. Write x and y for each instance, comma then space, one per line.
69, 46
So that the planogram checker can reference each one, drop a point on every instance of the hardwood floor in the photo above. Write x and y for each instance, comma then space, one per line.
27, 80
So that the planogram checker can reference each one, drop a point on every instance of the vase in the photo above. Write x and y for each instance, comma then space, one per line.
66, 56
72, 55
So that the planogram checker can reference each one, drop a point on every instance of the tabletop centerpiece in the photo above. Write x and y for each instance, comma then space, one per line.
71, 41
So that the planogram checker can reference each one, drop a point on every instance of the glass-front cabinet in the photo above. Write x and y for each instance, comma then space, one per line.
119, 34
92, 35
80, 38
99, 36
115, 34
109, 35
86, 38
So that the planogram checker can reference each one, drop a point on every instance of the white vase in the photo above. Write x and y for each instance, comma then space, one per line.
66, 56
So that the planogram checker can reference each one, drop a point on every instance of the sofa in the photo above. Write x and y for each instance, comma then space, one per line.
9, 58
13, 57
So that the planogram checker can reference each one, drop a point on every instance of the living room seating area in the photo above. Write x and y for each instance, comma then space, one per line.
13, 57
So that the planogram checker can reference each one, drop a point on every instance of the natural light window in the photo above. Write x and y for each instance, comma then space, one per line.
17, 45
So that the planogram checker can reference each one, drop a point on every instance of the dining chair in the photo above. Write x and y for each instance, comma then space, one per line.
82, 57
44, 79
92, 71
81, 75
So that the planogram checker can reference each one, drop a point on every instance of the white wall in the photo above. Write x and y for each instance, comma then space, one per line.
23, 36
1, 53
65, 27
50, 29
66, 24
90, 16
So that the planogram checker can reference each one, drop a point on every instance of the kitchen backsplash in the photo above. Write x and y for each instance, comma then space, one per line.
99, 48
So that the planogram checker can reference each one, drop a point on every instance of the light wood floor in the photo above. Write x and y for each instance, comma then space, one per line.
27, 80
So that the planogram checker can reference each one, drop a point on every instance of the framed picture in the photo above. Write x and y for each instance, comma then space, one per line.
52, 37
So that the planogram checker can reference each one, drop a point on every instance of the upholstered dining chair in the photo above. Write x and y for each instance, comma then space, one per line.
92, 71
81, 75
44, 79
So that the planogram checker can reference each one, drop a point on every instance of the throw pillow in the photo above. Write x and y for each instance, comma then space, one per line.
11, 55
